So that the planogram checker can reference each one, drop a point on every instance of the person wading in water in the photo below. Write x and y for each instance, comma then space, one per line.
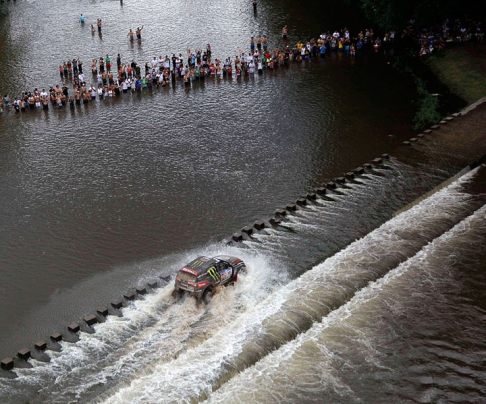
285, 32
138, 32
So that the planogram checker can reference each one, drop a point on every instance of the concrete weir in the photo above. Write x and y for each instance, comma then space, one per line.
275, 221
102, 311
247, 229
40, 345
90, 320
56, 337
301, 202
259, 225
23, 355
7, 363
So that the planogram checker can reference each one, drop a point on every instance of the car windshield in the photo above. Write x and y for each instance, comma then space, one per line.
185, 276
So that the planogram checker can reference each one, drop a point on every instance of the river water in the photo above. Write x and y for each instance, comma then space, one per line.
108, 196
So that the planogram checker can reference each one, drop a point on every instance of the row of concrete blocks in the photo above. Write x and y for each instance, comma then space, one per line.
445, 121
85, 325
303, 201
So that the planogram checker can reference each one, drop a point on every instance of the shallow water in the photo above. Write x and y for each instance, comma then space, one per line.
110, 186
116, 193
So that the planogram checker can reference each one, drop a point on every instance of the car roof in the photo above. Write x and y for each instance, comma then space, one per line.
199, 265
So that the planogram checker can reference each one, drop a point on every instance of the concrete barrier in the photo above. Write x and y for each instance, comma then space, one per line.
24, 354
40, 345
349, 175
385, 156
331, 185
376, 162
312, 196
449, 118
443, 122
73, 327
321, 190
275, 221
259, 225
165, 278
435, 127
301, 202
406, 142
7, 363
340, 180
291, 208
368, 166
456, 114
56, 337
90, 319
281, 212
237, 237
118, 304
153, 284
130, 295
359, 170
413, 139
102, 311
420, 135
141, 290
427, 131
247, 229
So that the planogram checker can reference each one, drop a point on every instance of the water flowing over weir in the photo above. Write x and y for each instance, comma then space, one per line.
293, 308
390, 340
158, 349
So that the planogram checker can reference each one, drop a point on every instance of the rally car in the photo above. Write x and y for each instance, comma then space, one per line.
201, 276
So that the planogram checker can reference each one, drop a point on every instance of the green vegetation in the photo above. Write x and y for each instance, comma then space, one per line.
428, 107
462, 70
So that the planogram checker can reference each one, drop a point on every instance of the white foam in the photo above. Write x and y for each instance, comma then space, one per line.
192, 374
260, 378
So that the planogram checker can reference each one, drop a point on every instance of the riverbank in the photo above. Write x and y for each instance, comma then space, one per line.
462, 69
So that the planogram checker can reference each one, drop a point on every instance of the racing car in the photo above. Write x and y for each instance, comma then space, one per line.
201, 276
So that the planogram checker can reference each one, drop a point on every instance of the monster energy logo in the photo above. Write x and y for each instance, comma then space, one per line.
214, 274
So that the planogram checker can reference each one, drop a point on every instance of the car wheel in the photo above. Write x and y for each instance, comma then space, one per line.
177, 293
207, 296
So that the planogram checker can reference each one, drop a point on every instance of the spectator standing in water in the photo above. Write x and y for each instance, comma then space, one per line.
130, 35
98, 23
254, 6
138, 33
82, 19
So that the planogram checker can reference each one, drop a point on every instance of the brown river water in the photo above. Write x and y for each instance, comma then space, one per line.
347, 301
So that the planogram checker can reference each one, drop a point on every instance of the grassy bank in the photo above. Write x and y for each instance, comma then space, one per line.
462, 69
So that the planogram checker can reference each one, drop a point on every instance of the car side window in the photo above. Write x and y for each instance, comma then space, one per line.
222, 266
203, 277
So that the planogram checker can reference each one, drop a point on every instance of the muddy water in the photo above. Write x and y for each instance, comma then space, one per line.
343, 301
93, 195
358, 313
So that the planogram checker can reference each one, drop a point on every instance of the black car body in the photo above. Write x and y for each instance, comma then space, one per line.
202, 275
